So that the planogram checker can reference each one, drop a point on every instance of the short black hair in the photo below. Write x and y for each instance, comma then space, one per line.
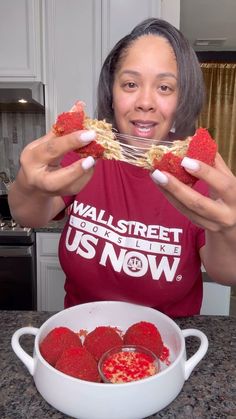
190, 77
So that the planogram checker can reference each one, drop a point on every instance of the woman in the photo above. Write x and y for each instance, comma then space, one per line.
133, 236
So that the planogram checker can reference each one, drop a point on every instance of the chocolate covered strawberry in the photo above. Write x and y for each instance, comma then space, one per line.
200, 147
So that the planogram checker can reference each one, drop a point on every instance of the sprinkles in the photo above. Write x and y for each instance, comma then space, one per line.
126, 366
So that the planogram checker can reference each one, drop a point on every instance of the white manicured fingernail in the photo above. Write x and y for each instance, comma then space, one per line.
88, 163
87, 136
159, 177
190, 164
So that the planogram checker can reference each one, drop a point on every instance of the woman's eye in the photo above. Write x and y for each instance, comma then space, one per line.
165, 89
129, 85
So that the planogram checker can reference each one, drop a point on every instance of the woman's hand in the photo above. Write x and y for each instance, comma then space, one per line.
40, 164
216, 213
35, 195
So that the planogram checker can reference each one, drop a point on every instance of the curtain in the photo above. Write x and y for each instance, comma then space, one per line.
219, 112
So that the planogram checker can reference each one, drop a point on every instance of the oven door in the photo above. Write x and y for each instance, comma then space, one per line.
17, 277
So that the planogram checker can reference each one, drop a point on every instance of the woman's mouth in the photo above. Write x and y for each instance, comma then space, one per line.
143, 129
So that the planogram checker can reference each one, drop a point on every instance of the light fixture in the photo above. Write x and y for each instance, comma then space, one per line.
22, 100
209, 41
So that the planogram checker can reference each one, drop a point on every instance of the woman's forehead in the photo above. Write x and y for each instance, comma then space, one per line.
147, 51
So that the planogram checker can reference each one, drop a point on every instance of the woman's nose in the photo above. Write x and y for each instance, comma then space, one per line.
145, 101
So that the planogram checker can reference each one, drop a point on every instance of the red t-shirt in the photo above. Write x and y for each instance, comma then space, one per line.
124, 241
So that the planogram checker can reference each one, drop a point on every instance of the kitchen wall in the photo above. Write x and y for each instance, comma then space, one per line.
16, 130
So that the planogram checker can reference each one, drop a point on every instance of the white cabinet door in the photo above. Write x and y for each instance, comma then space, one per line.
50, 277
170, 11
119, 18
216, 299
20, 40
50, 285
73, 54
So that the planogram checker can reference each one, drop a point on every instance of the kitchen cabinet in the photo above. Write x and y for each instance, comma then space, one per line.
72, 54
20, 40
78, 36
119, 17
216, 298
50, 277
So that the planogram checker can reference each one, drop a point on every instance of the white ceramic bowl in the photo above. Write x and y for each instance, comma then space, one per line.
88, 400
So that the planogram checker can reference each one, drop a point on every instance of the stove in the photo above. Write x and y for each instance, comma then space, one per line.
13, 233
10, 231
18, 281
18, 287
9, 226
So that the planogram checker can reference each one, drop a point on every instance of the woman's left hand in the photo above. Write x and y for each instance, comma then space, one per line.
216, 213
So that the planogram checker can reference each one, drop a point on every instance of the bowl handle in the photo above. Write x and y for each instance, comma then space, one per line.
191, 363
19, 351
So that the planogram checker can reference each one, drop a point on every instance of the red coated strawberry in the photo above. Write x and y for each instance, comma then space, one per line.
78, 363
171, 163
201, 147
93, 149
56, 341
68, 122
144, 334
101, 340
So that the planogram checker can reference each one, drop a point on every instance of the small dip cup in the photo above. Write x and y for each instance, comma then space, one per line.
127, 363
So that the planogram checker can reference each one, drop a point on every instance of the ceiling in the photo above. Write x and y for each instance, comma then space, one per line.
212, 20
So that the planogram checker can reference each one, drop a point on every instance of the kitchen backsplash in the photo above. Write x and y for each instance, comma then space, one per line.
17, 130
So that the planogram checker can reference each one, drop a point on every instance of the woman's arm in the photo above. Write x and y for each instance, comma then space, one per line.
32, 208
35, 196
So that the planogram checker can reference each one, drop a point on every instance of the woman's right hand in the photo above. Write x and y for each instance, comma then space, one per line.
41, 181
41, 169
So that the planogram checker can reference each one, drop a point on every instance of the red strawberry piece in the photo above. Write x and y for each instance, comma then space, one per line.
93, 149
144, 334
201, 147
78, 363
56, 341
171, 163
68, 122
101, 339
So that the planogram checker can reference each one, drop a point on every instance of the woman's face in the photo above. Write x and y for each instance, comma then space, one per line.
145, 90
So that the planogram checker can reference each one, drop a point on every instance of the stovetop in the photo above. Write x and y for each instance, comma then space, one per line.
8, 227
13, 233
